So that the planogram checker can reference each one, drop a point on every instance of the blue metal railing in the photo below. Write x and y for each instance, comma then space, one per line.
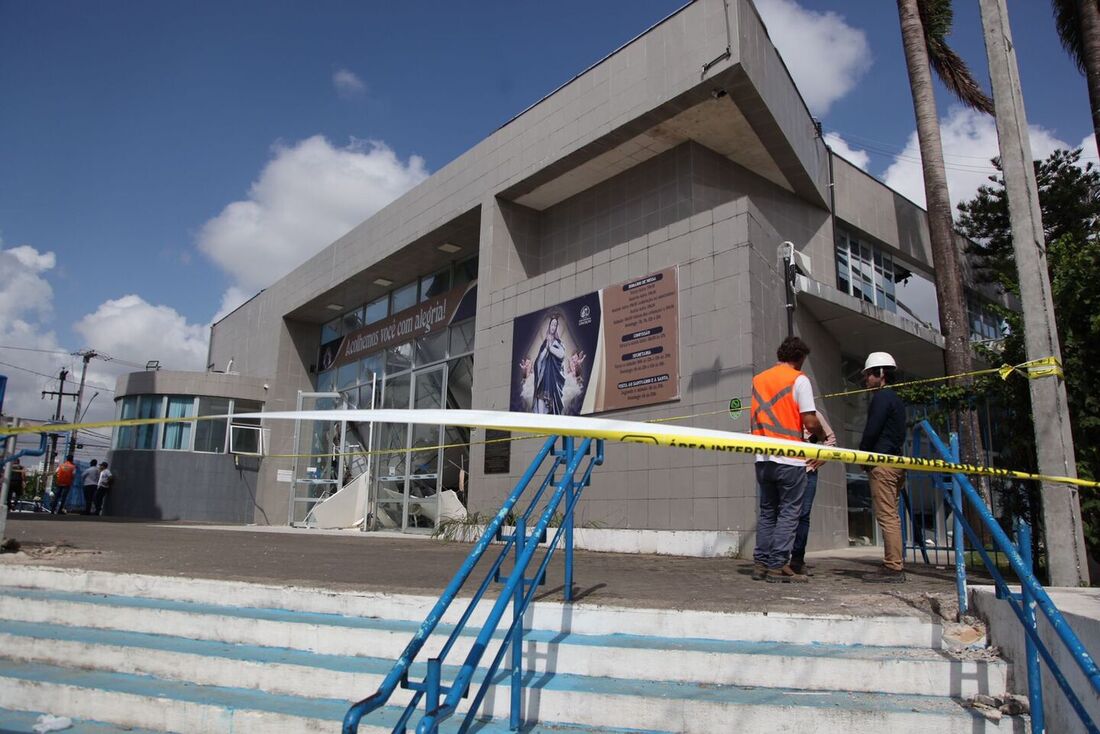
1031, 595
942, 485
518, 589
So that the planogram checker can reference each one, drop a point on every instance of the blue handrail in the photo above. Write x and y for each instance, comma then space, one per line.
1033, 591
524, 546
513, 591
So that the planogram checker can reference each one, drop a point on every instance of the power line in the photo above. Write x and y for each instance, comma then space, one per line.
33, 349
51, 377
102, 355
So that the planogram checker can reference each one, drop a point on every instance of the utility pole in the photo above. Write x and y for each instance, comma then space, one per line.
86, 355
60, 393
1065, 540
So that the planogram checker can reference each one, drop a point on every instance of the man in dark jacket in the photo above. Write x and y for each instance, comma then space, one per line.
885, 434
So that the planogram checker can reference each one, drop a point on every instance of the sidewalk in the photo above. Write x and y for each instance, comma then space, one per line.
421, 565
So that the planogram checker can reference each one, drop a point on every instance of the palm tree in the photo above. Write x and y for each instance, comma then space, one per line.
1078, 24
925, 25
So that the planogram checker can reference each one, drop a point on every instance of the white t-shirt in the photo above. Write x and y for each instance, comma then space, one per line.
804, 398
105, 478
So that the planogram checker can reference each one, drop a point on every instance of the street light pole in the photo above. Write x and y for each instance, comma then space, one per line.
86, 355
1065, 540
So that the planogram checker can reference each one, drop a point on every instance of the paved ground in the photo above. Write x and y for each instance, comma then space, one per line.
421, 565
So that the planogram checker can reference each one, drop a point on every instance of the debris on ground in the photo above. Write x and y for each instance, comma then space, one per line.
55, 550
969, 633
994, 707
9, 545
49, 722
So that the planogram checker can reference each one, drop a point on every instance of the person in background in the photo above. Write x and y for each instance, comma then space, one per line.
63, 478
885, 434
802, 533
106, 479
15, 484
782, 407
89, 481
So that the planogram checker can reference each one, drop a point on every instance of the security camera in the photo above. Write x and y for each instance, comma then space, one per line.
265, 386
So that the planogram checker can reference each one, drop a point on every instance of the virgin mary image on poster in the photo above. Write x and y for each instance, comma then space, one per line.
552, 357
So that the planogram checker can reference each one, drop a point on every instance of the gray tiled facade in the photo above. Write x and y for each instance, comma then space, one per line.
667, 152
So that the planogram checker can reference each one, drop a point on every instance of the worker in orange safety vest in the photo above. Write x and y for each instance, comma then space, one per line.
782, 407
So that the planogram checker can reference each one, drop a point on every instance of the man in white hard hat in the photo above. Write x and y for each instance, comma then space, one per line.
885, 434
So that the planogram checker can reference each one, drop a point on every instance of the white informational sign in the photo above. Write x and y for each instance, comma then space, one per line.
284, 475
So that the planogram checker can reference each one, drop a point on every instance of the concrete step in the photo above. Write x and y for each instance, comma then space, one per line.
579, 618
55, 626
164, 705
22, 722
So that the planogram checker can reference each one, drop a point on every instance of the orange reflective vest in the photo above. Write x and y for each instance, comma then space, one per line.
64, 474
774, 410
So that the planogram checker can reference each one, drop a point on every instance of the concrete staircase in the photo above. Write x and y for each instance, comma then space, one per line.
120, 652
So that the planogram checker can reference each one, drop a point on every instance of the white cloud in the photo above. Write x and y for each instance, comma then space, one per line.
26, 304
826, 56
347, 84
306, 197
858, 158
1088, 149
231, 300
137, 331
969, 142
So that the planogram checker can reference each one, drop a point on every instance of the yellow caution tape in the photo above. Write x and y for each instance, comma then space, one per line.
1034, 369
717, 440
701, 439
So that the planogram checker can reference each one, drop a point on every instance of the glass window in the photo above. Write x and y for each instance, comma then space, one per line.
465, 272
177, 436
326, 381
396, 392
431, 348
402, 298
399, 358
150, 406
330, 331
124, 437
352, 320
210, 434
460, 382
347, 376
865, 271
435, 285
369, 367
247, 406
377, 310
462, 338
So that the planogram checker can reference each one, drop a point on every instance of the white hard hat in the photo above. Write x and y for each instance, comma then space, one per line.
879, 359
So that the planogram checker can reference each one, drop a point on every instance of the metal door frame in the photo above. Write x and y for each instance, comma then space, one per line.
414, 375
294, 480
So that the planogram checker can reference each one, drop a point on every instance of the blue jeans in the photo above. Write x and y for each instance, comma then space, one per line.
779, 493
61, 494
802, 534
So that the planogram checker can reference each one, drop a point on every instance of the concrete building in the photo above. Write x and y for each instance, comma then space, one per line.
687, 153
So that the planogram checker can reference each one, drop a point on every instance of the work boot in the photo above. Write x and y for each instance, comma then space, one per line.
884, 576
802, 567
785, 575
759, 571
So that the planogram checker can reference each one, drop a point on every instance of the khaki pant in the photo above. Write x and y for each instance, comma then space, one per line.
886, 483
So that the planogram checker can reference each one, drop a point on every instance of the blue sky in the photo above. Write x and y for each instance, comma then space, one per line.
152, 151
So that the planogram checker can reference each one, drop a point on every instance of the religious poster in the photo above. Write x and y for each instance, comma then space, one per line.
612, 349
